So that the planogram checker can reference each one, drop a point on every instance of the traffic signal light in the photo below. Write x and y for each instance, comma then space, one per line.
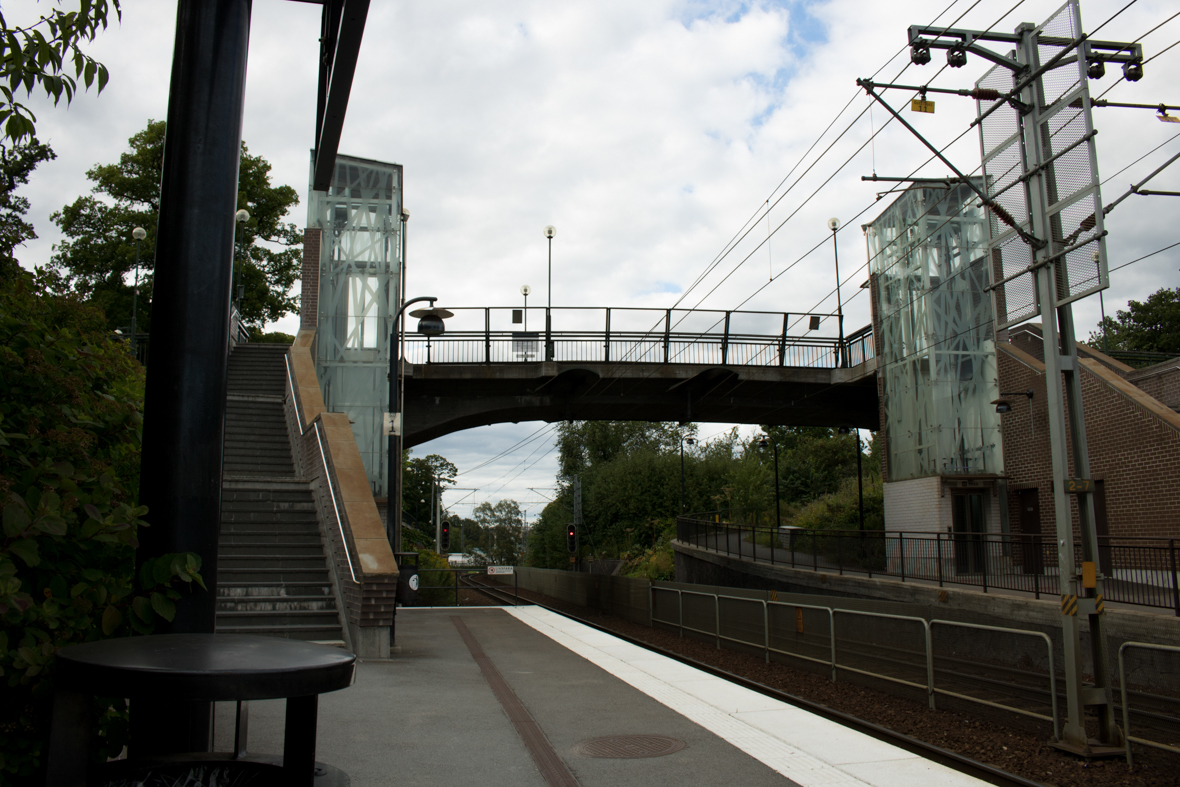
571, 538
444, 541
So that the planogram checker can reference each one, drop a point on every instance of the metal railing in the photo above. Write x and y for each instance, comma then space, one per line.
1127, 736
450, 581
609, 335
833, 663
293, 393
1140, 571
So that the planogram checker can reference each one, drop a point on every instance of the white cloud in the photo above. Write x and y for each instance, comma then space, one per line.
647, 133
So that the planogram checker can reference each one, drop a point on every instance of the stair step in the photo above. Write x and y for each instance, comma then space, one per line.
252, 495
276, 537
274, 617
263, 550
271, 576
241, 589
300, 562
277, 604
314, 633
304, 502
270, 526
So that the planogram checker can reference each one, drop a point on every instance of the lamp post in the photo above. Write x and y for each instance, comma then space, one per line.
241, 217
778, 520
550, 231
526, 290
833, 225
430, 323
690, 441
139, 233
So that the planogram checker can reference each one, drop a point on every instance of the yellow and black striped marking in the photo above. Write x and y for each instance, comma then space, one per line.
1069, 605
1098, 604
774, 595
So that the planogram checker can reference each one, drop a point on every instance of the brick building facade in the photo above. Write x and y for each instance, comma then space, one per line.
1133, 440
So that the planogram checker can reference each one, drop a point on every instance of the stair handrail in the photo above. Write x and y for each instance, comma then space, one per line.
323, 459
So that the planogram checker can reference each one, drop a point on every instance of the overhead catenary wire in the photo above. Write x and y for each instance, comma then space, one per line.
506, 451
1145, 256
755, 218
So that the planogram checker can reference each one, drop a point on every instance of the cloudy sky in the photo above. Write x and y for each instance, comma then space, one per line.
648, 133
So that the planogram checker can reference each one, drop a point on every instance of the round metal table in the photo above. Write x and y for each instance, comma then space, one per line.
195, 667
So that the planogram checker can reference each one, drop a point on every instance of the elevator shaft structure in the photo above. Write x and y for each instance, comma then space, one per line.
359, 296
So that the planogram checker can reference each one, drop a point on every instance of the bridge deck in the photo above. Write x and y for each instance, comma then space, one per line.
444, 398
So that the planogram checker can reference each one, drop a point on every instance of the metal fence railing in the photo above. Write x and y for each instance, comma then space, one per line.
849, 651
458, 586
735, 338
1123, 691
1139, 571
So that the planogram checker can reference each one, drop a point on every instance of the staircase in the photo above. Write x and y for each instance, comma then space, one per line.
272, 573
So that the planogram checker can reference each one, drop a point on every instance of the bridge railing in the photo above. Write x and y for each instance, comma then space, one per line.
505, 335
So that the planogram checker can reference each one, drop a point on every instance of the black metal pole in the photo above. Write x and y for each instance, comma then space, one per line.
184, 408
135, 303
393, 508
778, 514
839, 305
682, 476
393, 498
184, 411
549, 308
860, 482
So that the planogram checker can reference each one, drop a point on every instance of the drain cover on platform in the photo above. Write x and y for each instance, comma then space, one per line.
630, 747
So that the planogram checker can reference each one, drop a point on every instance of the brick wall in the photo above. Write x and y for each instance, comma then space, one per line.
1134, 446
309, 297
917, 505
1161, 382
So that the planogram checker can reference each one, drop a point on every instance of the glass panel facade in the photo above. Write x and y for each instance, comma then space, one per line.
360, 271
927, 256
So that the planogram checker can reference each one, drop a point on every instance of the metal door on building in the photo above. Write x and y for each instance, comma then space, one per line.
1032, 551
969, 526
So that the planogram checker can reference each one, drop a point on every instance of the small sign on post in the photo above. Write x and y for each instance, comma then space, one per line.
499, 570
922, 105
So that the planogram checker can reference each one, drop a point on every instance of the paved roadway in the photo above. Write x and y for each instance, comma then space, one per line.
431, 715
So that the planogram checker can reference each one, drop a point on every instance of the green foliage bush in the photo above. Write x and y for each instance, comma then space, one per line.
436, 582
658, 561
70, 420
272, 337
840, 510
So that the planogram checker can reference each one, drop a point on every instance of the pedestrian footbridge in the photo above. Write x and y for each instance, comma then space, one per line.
499, 365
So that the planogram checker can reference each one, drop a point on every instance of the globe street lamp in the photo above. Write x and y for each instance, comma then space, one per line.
550, 231
430, 323
139, 233
833, 225
689, 441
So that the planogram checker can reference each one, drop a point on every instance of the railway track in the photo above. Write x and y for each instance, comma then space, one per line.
929, 751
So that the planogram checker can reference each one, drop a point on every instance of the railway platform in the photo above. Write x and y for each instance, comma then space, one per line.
524, 696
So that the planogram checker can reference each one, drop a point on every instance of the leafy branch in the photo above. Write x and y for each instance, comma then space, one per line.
49, 53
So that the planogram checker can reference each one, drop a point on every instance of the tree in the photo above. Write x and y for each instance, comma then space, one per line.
71, 406
418, 486
17, 162
813, 460
98, 256
44, 53
1152, 325
501, 532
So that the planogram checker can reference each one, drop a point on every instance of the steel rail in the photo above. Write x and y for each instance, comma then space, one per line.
929, 751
